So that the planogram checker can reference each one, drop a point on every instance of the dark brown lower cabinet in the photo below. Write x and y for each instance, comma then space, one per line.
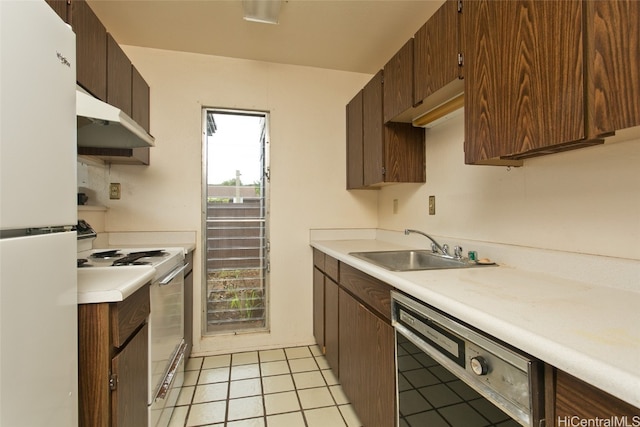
318, 307
113, 362
325, 317
351, 323
367, 366
571, 401
127, 399
331, 325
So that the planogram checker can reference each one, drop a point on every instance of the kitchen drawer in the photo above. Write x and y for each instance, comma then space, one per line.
128, 315
371, 291
318, 259
331, 267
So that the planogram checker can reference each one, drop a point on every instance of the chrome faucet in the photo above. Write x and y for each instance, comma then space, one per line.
435, 246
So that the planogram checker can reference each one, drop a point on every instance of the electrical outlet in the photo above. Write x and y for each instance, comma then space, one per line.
432, 205
114, 190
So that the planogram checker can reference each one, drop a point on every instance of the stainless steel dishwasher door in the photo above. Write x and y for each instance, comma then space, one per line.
451, 375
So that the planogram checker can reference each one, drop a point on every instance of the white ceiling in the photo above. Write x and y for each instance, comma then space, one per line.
349, 35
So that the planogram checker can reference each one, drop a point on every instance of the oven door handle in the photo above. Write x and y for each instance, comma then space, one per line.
169, 277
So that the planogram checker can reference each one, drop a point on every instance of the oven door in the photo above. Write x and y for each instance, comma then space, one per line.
166, 343
442, 378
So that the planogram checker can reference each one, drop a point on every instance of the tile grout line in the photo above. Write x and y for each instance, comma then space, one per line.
317, 368
295, 389
262, 393
337, 406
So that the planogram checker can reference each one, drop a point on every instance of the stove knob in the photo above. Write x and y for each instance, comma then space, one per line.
479, 366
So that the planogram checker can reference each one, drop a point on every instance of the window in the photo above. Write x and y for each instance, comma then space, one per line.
235, 220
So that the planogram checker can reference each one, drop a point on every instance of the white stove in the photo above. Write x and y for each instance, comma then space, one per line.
166, 321
163, 260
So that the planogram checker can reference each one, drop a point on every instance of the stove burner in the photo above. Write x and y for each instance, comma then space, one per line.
106, 254
133, 257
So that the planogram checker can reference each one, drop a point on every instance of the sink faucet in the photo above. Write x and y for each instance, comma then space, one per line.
435, 246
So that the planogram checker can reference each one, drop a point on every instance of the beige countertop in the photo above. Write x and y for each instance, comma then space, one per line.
587, 330
105, 284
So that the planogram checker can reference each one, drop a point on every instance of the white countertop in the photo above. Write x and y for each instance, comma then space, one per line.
589, 331
105, 284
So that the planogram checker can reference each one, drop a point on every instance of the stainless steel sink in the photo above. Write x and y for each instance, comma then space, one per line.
410, 260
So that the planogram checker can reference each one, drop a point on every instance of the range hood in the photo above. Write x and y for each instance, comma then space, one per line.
105, 126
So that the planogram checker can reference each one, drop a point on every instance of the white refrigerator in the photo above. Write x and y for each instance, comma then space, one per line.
38, 279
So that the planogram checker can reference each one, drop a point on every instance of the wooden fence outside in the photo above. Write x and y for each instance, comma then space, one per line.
236, 265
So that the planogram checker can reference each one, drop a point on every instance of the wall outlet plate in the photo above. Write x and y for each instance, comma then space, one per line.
432, 205
114, 191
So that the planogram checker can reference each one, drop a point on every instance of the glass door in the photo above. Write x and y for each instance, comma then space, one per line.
236, 221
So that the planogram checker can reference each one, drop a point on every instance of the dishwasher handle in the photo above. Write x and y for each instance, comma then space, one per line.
169, 277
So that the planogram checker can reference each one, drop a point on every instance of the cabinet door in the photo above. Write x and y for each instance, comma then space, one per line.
398, 82
91, 49
60, 7
436, 48
404, 153
140, 107
130, 366
613, 65
331, 324
367, 365
575, 398
351, 350
318, 307
372, 134
355, 165
118, 77
524, 80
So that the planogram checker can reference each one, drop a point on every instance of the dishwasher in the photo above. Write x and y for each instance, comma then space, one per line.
450, 374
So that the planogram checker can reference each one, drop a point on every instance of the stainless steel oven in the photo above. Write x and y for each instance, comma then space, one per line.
166, 343
449, 374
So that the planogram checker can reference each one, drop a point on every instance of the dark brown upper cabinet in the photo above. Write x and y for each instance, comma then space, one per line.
119, 77
613, 65
91, 49
61, 7
373, 132
398, 82
379, 154
105, 71
540, 80
355, 158
437, 75
426, 72
140, 100
524, 79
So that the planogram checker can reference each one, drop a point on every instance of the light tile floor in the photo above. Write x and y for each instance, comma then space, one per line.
289, 387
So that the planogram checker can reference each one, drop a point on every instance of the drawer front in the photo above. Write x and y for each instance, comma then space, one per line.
331, 268
318, 259
128, 315
374, 293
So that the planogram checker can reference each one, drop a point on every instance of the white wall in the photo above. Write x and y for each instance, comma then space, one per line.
585, 201
307, 107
